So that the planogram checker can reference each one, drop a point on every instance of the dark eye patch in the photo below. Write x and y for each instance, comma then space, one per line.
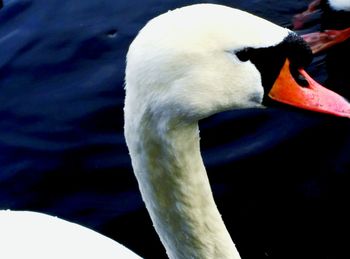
244, 54
270, 60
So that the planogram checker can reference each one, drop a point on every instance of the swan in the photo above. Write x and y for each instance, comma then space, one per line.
335, 11
183, 66
186, 65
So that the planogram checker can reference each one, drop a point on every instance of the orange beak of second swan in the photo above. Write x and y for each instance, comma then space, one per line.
310, 96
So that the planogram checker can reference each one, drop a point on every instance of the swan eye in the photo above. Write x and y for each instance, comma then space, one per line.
244, 54
299, 78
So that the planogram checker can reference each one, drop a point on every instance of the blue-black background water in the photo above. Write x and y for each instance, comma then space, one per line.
280, 176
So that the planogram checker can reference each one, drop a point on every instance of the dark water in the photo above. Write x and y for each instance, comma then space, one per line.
280, 176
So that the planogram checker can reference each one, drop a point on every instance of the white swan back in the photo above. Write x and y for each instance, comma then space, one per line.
32, 235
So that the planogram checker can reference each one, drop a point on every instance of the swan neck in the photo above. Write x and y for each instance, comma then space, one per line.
174, 185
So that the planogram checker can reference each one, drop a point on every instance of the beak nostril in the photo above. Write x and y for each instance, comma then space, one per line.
299, 78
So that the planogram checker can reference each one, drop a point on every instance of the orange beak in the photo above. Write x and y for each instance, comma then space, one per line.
312, 97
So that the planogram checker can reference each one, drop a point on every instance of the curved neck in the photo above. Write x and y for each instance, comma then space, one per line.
174, 185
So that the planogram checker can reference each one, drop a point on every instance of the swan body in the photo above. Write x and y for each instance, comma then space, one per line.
26, 234
340, 5
183, 66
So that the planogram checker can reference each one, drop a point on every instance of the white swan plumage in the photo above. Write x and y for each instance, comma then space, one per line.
26, 234
340, 5
184, 65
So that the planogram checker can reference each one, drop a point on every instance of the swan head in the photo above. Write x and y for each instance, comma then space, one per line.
198, 60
